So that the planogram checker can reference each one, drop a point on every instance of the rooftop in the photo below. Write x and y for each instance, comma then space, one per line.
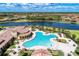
7, 35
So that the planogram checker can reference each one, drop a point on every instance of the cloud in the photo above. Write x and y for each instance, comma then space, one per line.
39, 7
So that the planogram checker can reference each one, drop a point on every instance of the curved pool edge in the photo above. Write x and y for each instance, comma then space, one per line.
31, 48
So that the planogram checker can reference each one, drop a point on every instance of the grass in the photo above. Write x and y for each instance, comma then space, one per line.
76, 32
2, 22
75, 54
25, 53
2, 26
7, 53
56, 52
13, 46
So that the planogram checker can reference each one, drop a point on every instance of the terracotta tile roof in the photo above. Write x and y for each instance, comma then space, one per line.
20, 29
5, 36
25, 34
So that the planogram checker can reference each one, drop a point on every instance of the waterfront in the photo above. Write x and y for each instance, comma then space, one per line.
50, 24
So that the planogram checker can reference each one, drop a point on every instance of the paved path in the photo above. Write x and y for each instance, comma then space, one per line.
41, 52
67, 48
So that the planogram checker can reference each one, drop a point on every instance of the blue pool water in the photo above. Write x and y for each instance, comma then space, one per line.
40, 40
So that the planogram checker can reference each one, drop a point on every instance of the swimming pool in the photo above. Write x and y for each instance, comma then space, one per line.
40, 39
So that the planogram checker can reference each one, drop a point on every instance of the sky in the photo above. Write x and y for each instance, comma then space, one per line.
39, 7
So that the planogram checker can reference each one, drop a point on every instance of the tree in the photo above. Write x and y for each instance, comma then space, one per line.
25, 53
54, 29
77, 50
73, 36
73, 22
56, 52
22, 53
56, 17
77, 40
67, 34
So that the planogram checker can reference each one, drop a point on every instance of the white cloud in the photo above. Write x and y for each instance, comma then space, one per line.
38, 6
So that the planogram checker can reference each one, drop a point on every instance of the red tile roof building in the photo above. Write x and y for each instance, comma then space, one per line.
10, 33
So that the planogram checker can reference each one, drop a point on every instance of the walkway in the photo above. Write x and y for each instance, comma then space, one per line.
41, 52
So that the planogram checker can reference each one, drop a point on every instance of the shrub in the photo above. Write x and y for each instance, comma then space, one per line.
56, 52
77, 50
25, 53
62, 40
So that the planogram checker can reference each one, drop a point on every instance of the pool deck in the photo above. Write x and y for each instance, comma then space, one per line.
35, 47
65, 47
41, 52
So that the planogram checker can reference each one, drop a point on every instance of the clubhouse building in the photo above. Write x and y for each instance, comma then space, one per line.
7, 38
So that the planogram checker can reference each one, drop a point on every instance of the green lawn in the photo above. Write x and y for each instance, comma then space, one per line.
56, 52
13, 46
75, 54
76, 32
